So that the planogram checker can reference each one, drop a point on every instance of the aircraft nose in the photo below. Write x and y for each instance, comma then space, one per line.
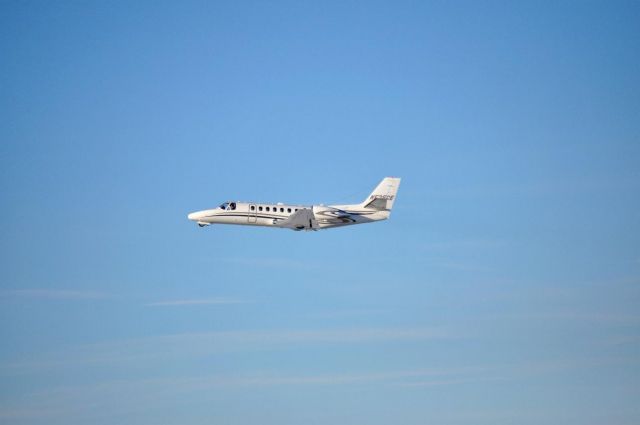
194, 216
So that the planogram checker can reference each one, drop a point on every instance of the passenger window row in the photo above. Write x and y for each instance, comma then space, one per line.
275, 209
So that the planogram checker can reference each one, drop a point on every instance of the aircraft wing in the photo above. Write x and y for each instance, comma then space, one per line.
301, 219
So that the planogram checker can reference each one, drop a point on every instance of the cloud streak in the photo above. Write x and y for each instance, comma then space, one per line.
198, 345
271, 263
66, 401
58, 294
192, 302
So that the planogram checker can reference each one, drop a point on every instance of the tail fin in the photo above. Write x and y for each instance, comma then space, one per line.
384, 195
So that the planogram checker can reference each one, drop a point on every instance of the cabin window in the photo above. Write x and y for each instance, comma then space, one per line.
224, 206
289, 210
253, 208
281, 209
268, 209
260, 208
296, 210
232, 205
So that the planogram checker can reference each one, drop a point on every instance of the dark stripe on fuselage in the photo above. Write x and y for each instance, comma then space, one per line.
245, 215
279, 217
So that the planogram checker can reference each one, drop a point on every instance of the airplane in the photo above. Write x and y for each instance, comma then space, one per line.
375, 207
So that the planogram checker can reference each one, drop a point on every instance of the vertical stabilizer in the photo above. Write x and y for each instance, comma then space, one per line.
384, 195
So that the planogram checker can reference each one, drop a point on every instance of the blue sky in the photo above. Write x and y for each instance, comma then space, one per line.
504, 289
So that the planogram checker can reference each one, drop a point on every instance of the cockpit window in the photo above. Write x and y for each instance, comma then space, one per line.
228, 206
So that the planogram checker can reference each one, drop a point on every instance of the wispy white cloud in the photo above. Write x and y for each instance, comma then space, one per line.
443, 254
350, 313
126, 395
275, 263
62, 294
624, 340
194, 345
453, 381
595, 317
201, 301
453, 265
469, 244
66, 401
224, 341
392, 377
14, 413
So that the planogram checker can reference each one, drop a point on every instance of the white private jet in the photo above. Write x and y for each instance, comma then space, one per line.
298, 217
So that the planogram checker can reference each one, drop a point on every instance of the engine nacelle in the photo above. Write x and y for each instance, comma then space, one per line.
329, 215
